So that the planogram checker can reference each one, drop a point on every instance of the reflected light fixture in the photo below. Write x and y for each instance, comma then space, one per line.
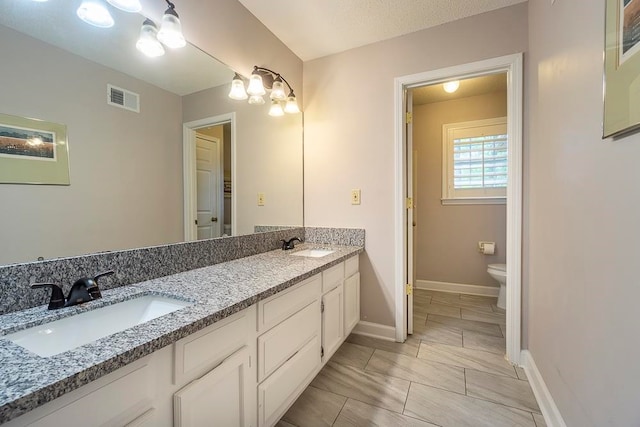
280, 103
148, 41
132, 6
170, 33
451, 86
94, 12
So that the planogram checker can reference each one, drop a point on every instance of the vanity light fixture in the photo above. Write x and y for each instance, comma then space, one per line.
148, 41
451, 86
94, 12
280, 103
170, 33
132, 6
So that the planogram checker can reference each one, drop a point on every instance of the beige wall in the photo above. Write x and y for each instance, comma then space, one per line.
125, 167
583, 211
447, 236
349, 132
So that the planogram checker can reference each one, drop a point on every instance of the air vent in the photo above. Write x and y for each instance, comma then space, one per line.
123, 98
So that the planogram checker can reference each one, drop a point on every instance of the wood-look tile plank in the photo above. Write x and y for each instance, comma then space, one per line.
449, 409
417, 370
409, 347
499, 389
358, 414
480, 306
315, 408
466, 325
466, 358
353, 355
441, 309
497, 309
437, 332
539, 420
470, 314
283, 423
478, 341
369, 387
479, 298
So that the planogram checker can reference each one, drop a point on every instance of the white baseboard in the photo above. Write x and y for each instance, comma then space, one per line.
375, 330
550, 411
458, 288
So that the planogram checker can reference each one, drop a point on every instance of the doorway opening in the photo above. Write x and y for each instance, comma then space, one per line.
209, 173
511, 67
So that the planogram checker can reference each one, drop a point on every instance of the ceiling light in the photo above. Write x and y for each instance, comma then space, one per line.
94, 12
280, 103
451, 86
132, 6
237, 91
170, 33
148, 41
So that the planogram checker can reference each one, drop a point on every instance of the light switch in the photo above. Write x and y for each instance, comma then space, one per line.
260, 199
355, 197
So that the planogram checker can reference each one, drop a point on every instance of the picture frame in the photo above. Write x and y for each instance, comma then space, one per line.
621, 68
33, 151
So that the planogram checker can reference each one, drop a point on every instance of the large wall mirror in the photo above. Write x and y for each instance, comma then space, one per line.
127, 176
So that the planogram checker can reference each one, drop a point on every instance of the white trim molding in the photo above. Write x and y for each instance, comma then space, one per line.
375, 330
458, 288
550, 411
512, 65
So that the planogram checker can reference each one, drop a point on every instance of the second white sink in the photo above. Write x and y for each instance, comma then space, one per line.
314, 253
71, 332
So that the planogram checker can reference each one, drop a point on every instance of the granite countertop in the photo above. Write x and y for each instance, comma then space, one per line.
28, 380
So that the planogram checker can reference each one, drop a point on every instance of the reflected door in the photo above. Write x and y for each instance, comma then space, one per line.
209, 187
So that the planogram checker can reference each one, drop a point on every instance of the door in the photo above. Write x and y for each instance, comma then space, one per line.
410, 211
208, 187
332, 321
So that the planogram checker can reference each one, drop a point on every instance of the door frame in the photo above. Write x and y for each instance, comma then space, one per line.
189, 170
512, 65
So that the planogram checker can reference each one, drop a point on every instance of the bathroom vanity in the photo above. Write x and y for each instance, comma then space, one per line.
257, 331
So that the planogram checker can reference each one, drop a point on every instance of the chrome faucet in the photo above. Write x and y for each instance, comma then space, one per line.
289, 244
83, 290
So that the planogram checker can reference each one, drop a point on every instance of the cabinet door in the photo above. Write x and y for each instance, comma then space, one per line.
332, 321
351, 303
220, 398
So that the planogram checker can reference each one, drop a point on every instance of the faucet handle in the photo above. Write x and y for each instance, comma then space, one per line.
57, 297
93, 288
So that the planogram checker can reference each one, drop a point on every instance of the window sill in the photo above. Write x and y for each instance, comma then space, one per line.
475, 201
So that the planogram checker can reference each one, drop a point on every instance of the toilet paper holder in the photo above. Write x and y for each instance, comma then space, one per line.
487, 248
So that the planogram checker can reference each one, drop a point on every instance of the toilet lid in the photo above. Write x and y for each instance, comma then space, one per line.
499, 267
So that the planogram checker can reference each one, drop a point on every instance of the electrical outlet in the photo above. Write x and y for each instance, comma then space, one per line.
355, 197
260, 199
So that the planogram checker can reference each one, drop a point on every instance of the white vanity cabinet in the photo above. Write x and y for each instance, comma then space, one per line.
332, 310
351, 294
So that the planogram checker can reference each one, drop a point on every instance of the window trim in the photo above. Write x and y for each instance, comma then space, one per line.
448, 194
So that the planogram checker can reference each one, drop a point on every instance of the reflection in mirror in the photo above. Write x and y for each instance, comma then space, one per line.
126, 167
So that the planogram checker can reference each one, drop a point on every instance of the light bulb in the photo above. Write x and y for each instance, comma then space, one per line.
256, 100
451, 86
255, 85
95, 13
148, 42
277, 90
291, 107
132, 6
237, 89
170, 33
276, 109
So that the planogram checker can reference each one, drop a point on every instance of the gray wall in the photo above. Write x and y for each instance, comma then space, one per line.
126, 168
349, 132
583, 211
447, 236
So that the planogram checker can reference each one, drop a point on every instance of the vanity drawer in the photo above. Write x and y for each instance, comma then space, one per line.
278, 307
282, 341
201, 351
332, 277
278, 391
351, 266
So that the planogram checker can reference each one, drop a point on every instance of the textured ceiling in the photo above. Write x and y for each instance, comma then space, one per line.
469, 87
316, 28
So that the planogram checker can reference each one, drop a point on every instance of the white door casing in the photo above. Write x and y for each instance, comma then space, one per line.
409, 275
512, 65
208, 187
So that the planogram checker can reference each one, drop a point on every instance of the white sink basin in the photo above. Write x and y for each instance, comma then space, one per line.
71, 332
314, 253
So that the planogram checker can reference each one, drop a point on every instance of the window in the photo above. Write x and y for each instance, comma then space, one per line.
474, 162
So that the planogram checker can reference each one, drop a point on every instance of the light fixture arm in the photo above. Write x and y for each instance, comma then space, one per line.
256, 68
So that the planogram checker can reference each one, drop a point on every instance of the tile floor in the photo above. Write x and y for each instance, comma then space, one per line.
450, 372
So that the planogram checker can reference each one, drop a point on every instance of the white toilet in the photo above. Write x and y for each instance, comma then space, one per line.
499, 273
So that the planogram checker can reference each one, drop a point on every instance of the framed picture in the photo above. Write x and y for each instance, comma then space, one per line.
33, 152
621, 68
